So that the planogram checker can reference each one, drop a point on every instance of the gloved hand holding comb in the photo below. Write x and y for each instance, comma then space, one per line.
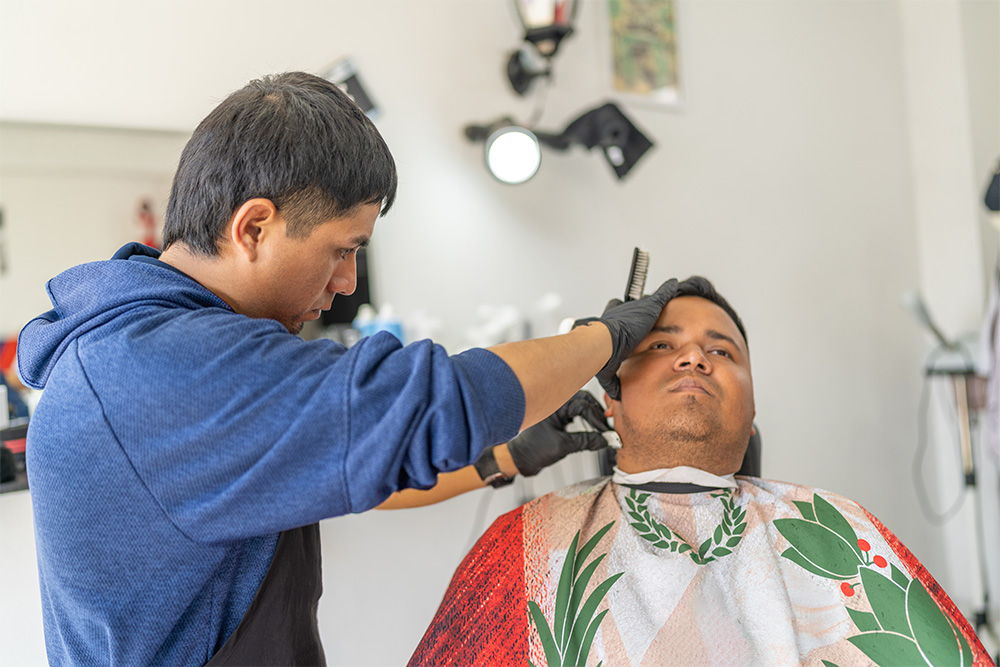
629, 322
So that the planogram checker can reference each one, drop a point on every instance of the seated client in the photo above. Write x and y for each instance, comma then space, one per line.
675, 561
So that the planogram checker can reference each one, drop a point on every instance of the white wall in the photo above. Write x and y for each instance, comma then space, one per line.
951, 55
789, 177
72, 195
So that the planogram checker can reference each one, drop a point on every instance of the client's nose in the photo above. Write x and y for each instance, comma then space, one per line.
692, 358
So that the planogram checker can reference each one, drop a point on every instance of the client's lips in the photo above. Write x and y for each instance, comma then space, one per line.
690, 385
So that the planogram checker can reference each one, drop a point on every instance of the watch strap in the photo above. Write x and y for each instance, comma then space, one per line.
489, 470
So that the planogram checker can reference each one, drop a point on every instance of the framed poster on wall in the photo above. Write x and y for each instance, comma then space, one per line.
643, 51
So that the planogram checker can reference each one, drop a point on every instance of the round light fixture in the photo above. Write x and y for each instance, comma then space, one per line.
513, 154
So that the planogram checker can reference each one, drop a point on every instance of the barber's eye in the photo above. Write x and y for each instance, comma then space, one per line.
724, 353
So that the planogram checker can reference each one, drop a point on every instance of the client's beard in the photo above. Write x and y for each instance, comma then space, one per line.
689, 424
690, 436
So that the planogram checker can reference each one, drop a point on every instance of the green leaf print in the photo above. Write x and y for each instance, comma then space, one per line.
967, 657
544, 634
703, 549
828, 515
582, 623
806, 509
865, 621
578, 590
588, 639
888, 601
721, 543
886, 648
905, 626
820, 546
573, 629
800, 560
901, 579
563, 591
931, 629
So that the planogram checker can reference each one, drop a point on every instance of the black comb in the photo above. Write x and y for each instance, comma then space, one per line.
637, 275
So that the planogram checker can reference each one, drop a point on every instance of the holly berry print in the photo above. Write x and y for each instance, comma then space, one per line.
905, 625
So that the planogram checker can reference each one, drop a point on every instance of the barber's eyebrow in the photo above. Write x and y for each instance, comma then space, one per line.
711, 333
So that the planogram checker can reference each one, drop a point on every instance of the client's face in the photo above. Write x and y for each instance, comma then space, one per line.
687, 393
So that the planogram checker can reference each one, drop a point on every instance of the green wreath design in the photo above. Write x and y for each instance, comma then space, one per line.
721, 543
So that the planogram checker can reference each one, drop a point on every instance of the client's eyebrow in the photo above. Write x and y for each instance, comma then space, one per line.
711, 333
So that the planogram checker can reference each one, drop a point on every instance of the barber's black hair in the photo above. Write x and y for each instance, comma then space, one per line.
294, 138
702, 287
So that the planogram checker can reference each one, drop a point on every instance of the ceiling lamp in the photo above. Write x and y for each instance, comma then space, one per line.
513, 152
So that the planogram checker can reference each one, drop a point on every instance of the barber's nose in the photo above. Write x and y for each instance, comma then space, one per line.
345, 276
692, 358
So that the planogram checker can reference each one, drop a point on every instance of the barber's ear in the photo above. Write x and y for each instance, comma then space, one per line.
253, 222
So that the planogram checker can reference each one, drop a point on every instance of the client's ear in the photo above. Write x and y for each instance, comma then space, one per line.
612, 406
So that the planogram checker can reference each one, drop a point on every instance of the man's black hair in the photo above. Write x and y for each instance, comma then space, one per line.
294, 138
702, 287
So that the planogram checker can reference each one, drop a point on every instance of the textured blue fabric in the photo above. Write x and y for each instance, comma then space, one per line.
175, 439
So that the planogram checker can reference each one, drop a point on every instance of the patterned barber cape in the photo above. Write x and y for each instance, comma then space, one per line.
767, 573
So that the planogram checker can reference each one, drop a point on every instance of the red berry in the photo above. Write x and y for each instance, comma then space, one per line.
846, 589
863, 545
880, 561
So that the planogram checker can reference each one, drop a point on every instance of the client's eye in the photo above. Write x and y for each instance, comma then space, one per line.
724, 353
660, 345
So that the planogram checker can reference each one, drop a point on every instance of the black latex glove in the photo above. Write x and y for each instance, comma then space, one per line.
547, 442
629, 322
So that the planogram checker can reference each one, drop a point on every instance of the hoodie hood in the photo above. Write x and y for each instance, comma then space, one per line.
89, 296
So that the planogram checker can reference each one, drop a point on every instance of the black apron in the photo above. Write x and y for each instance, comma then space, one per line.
280, 627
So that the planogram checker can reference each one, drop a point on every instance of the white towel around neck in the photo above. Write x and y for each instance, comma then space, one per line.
682, 474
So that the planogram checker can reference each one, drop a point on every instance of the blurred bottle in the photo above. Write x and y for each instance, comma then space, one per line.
369, 321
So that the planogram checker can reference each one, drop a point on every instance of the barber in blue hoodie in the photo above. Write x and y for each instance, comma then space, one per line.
187, 443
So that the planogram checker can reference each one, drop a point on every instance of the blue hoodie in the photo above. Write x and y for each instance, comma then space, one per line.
175, 439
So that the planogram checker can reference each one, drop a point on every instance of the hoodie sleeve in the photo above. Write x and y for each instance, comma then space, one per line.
237, 435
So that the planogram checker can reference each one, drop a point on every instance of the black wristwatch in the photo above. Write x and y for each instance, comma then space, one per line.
489, 471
